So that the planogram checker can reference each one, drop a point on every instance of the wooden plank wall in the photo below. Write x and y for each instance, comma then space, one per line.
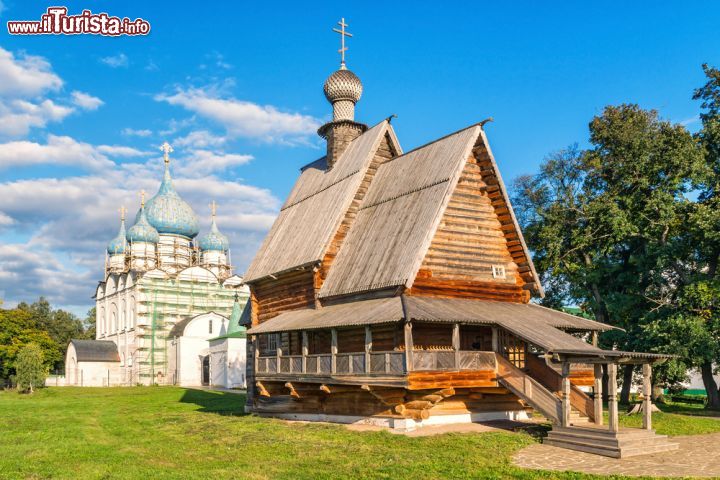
469, 334
387, 338
291, 291
432, 336
469, 241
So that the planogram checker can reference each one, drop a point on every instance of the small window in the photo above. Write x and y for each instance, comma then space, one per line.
498, 271
273, 342
210, 326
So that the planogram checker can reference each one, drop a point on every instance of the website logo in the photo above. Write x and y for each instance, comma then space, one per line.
57, 22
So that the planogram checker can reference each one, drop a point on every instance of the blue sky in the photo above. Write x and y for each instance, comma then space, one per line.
237, 88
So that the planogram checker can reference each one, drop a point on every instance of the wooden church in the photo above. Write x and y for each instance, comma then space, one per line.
394, 289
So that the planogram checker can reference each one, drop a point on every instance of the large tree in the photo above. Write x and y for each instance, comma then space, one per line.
601, 221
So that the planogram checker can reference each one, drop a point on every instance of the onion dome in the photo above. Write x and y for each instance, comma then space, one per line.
214, 240
166, 211
118, 244
343, 85
142, 231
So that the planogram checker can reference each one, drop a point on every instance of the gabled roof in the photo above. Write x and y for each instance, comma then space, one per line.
315, 207
95, 350
401, 213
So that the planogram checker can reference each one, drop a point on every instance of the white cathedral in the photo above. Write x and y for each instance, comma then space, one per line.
169, 307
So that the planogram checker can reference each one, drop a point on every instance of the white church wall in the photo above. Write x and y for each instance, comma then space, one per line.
228, 362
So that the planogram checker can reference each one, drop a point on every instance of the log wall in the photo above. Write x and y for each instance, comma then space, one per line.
290, 291
469, 241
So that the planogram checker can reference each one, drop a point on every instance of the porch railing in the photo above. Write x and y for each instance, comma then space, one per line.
376, 363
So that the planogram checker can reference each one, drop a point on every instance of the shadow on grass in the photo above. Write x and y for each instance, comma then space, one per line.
535, 430
217, 402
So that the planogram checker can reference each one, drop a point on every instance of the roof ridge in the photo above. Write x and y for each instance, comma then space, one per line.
477, 124
321, 190
414, 190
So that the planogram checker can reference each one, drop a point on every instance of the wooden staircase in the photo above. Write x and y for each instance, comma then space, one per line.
600, 441
582, 434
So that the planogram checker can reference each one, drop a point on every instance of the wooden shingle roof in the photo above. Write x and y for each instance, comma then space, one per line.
538, 325
315, 207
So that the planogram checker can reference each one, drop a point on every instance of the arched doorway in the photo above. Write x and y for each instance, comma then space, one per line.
205, 374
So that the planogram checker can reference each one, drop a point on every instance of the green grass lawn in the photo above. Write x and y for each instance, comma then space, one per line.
163, 433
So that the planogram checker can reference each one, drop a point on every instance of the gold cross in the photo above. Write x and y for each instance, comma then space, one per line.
142, 198
343, 34
123, 210
166, 149
213, 209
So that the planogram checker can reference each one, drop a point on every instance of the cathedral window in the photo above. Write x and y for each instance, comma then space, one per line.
210, 326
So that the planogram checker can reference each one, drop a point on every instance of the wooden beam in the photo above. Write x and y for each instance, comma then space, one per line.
262, 390
293, 392
456, 343
565, 388
613, 421
368, 347
647, 396
304, 350
597, 394
408, 347
333, 350
325, 389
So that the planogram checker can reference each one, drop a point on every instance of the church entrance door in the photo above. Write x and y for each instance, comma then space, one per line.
205, 377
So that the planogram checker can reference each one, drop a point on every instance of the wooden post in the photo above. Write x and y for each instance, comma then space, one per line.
456, 344
333, 350
565, 388
595, 338
304, 351
256, 352
368, 347
495, 345
613, 425
597, 394
647, 396
408, 347
278, 352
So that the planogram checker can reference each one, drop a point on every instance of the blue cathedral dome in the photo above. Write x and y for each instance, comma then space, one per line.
214, 240
168, 213
117, 245
142, 231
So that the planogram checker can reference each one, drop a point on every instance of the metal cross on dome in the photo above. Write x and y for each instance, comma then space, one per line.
343, 34
166, 149
122, 211
142, 198
213, 209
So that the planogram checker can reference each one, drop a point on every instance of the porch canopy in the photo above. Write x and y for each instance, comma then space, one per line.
549, 330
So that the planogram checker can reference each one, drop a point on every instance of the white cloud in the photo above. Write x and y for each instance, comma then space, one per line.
242, 118
18, 116
70, 220
86, 101
58, 150
26, 75
131, 132
203, 162
120, 151
116, 61
199, 139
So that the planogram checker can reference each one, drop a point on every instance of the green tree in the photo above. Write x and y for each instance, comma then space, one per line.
90, 324
17, 329
31, 371
601, 221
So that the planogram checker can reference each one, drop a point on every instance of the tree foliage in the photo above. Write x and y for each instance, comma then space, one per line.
38, 323
30, 367
609, 226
